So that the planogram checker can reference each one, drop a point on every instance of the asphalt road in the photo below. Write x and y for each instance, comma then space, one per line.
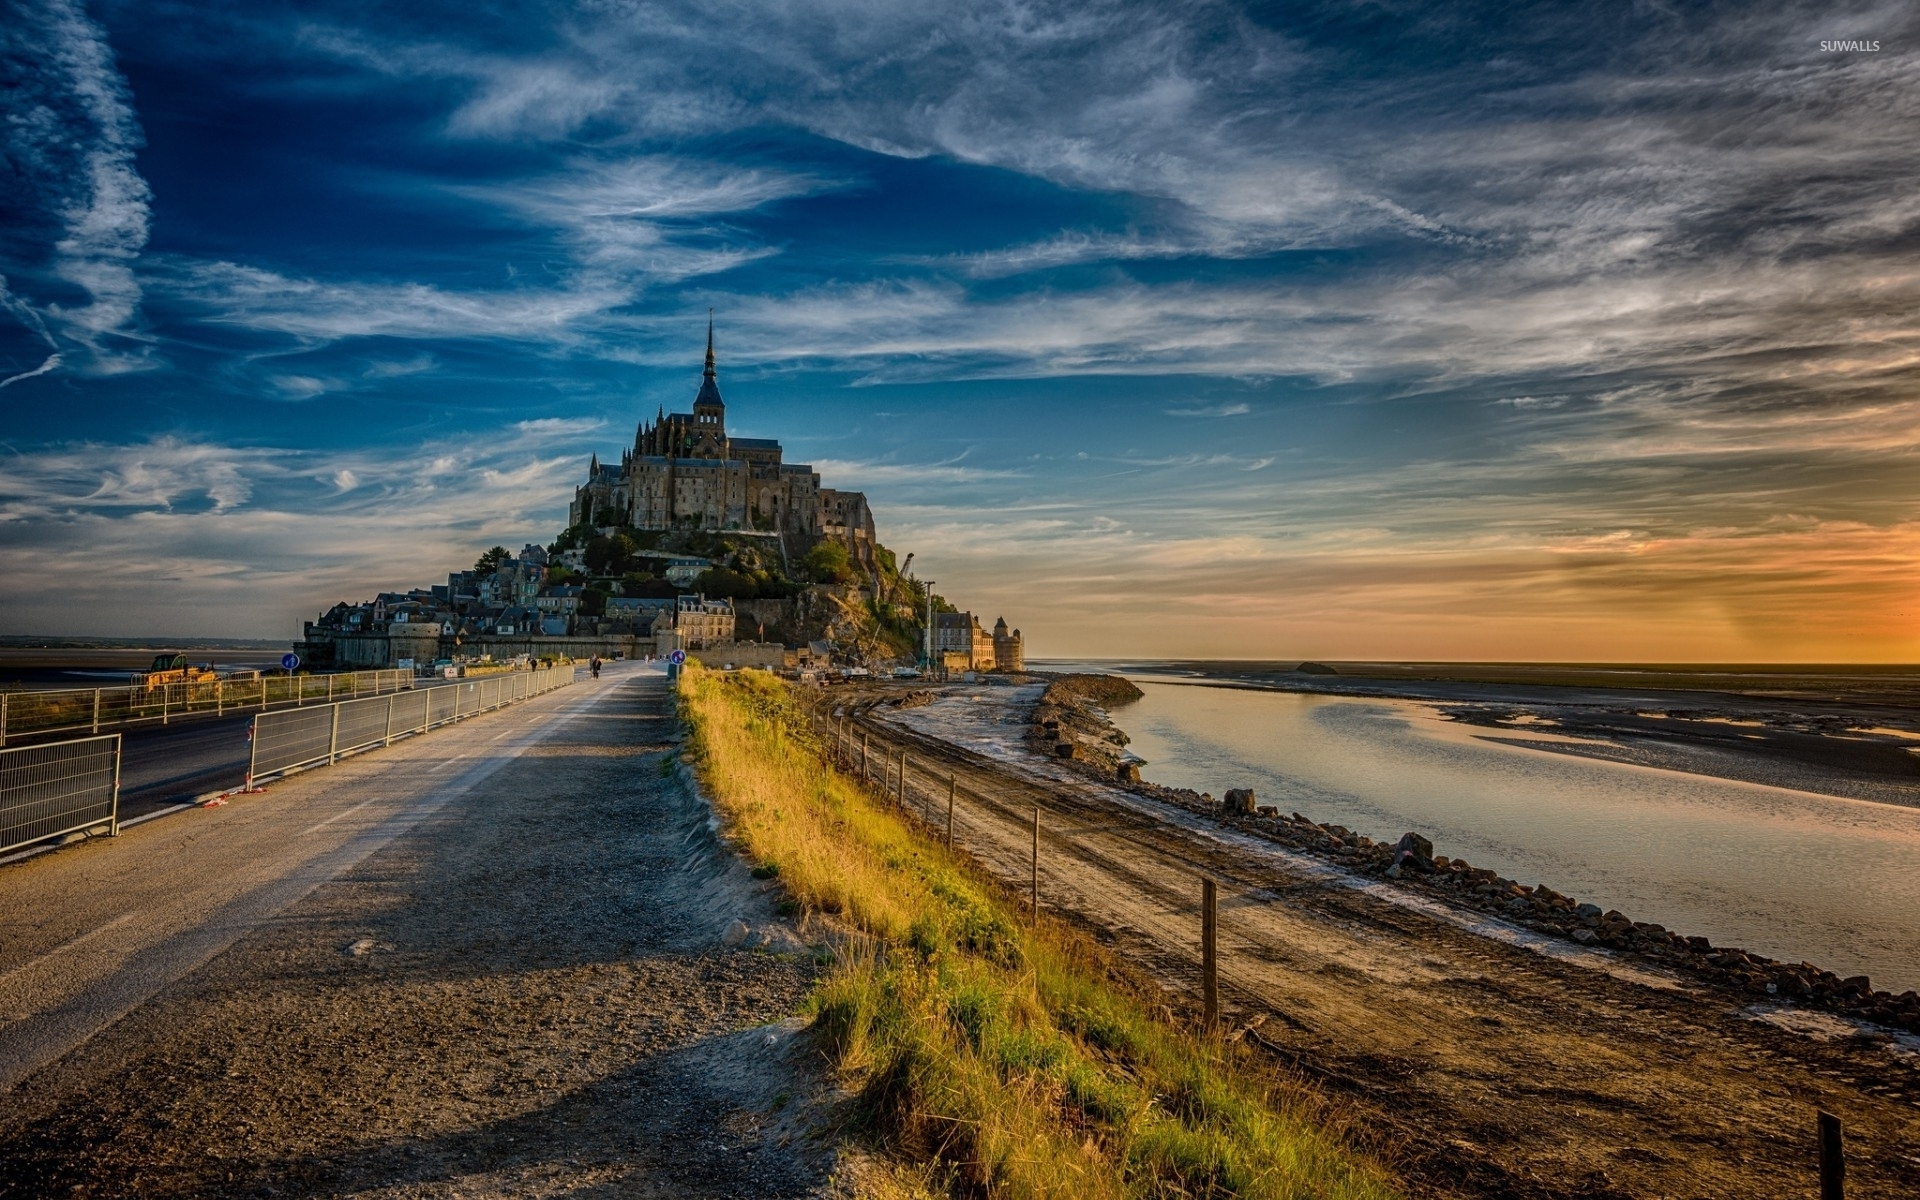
487, 960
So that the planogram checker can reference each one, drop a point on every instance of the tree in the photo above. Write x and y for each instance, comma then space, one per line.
559, 576
610, 555
724, 584
490, 562
829, 562
593, 602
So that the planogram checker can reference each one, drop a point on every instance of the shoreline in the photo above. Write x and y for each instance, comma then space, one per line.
1411, 864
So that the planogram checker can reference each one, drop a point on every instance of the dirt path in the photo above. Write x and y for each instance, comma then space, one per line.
502, 974
1498, 1070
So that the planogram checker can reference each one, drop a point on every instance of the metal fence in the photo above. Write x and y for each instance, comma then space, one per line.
295, 739
94, 709
63, 787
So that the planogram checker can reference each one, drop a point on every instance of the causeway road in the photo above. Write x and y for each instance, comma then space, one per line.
486, 960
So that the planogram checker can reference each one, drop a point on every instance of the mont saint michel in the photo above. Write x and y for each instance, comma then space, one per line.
698, 541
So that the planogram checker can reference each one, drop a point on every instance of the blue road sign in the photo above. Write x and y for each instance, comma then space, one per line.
289, 661
677, 657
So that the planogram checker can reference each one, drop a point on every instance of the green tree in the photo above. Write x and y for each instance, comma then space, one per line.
724, 584
610, 555
490, 562
593, 601
829, 562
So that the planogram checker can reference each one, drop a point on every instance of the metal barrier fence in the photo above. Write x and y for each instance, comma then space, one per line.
94, 709
63, 787
293, 740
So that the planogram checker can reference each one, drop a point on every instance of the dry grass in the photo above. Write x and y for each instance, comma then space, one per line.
990, 1057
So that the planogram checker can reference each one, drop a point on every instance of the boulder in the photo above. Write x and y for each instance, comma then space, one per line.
1589, 915
1127, 772
1239, 800
1413, 851
1065, 750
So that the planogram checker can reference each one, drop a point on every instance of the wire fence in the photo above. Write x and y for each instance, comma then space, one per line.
1178, 901
60, 788
26, 713
300, 738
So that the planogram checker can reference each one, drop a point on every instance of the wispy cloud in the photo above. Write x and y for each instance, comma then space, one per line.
71, 138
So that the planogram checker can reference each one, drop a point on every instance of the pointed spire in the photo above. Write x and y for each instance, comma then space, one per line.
709, 370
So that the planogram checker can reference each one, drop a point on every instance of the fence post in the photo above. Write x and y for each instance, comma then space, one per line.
1033, 895
219, 697
903, 779
1209, 947
96, 710
3, 718
950, 790
864, 777
1833, 1159
333, 738
113, 822
389, 738
166, 693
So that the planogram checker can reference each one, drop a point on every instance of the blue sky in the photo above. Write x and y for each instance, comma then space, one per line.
1339, 330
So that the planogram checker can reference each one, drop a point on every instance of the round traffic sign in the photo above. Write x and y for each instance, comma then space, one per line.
677, 657
289, 661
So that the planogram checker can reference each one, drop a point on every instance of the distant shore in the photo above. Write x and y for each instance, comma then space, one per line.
1846, 731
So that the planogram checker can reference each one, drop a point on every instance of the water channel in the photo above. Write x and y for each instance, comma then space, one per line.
1790, 874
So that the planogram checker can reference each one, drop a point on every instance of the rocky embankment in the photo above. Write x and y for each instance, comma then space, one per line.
1071, 725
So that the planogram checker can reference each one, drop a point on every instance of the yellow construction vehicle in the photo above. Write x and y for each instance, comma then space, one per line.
171, 667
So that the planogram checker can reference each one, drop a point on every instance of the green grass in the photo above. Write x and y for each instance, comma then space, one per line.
989, 1056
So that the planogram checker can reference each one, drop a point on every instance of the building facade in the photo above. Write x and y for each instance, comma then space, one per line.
962, 645
685, 472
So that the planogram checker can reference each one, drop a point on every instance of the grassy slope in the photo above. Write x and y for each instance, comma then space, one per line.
992, 1056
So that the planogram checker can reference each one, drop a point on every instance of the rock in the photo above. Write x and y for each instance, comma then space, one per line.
1413, 851
1127, 772
1585, 936
1239, 800
1519, 904
736, 933
1267, 810
1393, 872
1589, 914
359, 948
1856, 985
1065, 750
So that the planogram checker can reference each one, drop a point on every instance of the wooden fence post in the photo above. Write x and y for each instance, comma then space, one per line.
903, 779
1209, 957
1833, 1159
1033, 896
950, 791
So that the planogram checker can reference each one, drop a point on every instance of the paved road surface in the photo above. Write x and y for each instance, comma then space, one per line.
487, 958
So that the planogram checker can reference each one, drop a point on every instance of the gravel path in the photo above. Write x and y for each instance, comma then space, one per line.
487, 961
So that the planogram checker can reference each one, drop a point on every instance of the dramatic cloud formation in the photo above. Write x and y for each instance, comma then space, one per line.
1415, 330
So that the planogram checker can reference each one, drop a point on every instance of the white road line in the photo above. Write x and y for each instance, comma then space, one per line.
335, 817
65, 946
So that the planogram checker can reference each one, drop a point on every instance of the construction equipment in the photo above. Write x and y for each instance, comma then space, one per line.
170, 667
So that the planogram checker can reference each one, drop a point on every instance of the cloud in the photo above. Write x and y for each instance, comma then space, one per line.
185, 536
1212, 410
72, 134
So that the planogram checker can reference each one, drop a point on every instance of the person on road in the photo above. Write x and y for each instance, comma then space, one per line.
594, 666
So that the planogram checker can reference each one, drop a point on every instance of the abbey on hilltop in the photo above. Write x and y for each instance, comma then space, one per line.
684, 472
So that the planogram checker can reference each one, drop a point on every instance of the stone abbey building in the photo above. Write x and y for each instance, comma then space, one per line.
684, 472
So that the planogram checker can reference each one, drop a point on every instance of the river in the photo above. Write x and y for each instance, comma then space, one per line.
1789, 874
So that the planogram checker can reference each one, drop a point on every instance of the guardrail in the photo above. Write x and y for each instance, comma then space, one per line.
295, 740
62, 787
93, 709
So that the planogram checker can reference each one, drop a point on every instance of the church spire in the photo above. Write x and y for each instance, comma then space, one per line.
709, 370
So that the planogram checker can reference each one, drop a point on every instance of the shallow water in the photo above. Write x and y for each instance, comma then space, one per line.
1789, 874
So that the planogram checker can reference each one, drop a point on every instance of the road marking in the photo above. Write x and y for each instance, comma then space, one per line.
65, 946
335, 817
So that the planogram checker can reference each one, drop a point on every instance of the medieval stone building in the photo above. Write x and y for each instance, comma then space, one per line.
684, 472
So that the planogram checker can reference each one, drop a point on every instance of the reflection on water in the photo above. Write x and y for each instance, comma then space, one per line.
1789, 874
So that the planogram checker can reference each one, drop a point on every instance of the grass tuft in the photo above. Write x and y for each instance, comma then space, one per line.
988, 1056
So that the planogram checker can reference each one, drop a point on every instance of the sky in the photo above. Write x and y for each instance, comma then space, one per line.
1399, 330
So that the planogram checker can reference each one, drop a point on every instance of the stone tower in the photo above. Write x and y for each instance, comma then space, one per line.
1009, 649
